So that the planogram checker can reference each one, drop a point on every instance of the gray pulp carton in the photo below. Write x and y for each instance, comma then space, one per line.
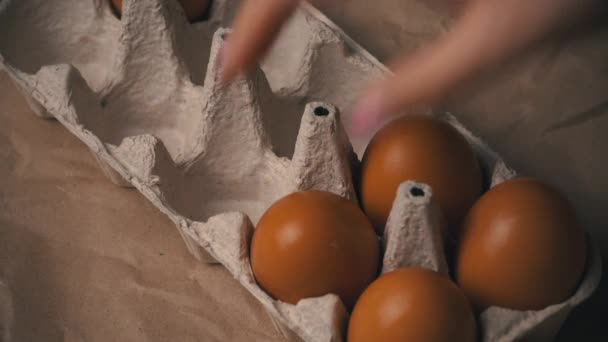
143, 93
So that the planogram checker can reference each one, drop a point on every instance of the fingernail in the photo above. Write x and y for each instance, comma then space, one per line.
368, 113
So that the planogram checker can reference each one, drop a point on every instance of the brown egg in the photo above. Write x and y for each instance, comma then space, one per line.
423, 149
522, 247
312, 243
412, 304
194, 9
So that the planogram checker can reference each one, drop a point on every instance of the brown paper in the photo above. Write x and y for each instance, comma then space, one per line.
84, 260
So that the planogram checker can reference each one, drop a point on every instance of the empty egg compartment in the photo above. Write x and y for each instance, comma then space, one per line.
127, 81
228, 161
119, 58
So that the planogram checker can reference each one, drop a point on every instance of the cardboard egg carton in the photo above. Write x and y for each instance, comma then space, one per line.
412, 238
143, 93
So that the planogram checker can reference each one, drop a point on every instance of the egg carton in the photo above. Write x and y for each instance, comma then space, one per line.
143, 93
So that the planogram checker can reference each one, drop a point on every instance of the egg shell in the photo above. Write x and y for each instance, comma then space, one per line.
511, 242
412, 304
424, 149
312, 243
151, 111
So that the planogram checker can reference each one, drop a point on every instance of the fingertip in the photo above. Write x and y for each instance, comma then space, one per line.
226, 68
256, 25
229, 65
368, 113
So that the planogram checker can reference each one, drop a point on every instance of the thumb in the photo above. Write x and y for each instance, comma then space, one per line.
487, 32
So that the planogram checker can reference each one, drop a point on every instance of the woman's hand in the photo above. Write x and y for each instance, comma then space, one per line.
486, 32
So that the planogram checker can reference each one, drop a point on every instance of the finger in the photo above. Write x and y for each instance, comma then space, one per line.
487, 32
254, 29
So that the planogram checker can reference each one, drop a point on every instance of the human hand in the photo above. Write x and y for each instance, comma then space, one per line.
486, 32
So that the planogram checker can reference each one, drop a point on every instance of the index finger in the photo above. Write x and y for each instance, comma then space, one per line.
256, 25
